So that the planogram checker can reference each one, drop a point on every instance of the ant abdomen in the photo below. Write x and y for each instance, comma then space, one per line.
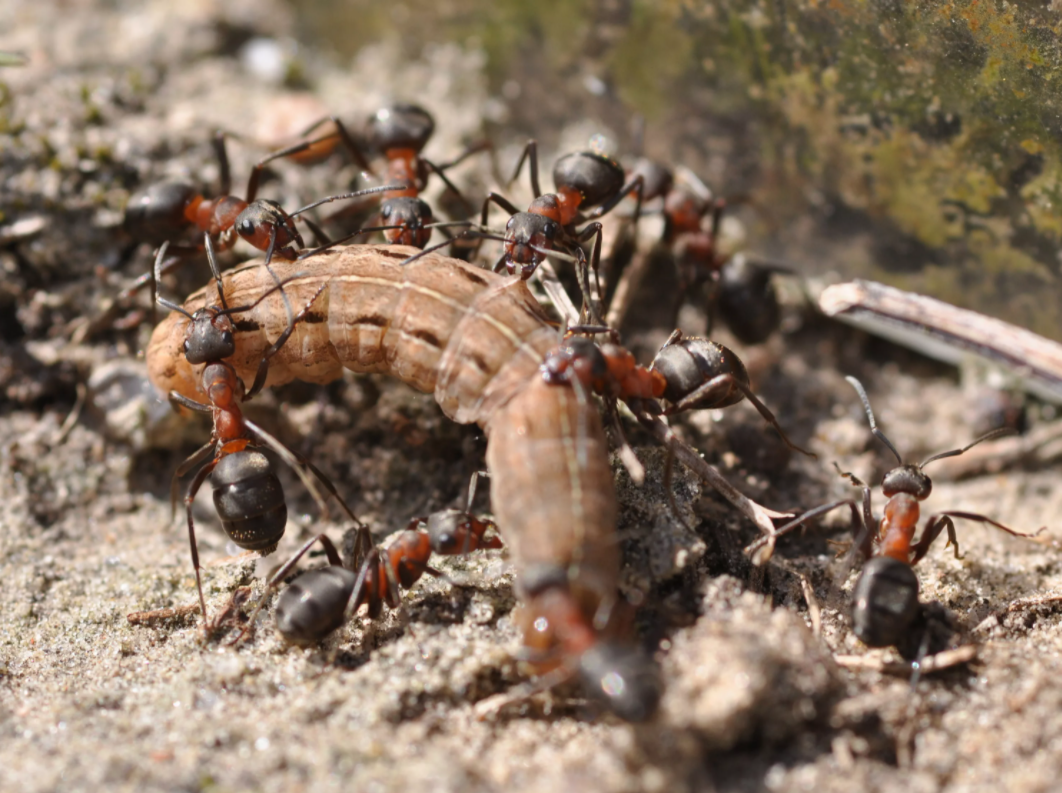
692, 361
401, 126
747, 301
313, 605
595, 176
157, 214
249, 500
885, 602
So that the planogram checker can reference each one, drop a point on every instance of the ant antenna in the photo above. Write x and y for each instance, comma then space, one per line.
956, 452
873, 424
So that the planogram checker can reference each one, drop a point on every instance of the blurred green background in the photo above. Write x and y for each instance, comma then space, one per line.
911, 142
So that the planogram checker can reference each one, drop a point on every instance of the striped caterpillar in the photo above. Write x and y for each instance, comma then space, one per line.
477, 341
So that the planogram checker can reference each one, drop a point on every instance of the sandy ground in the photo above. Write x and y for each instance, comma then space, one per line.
755, 698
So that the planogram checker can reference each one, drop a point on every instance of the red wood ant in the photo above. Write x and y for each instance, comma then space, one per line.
583, 180
321, 601
741, 291
885, 609
166, 211
399, 133
688, 373
247, 493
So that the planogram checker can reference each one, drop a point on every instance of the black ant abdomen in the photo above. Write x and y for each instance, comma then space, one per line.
314, 605
157, 214
624, 678
688, 363
250, 501
885, 602
747, 301
401, 126
596, 177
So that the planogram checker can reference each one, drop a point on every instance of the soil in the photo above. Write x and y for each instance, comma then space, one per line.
766, 687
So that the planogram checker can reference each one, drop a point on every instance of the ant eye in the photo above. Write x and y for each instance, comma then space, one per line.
386, 211
550, 229
245, 229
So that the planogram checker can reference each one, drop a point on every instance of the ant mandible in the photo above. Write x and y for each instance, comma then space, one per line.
247, 493
885, 606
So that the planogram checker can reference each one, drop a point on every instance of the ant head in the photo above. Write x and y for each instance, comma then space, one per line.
577, 358
447, 530
411, 215
623, 677
910, 479
884, 602
401, 126
594, 176
209, 337
264, 221
158, 213
690, 362
525, 232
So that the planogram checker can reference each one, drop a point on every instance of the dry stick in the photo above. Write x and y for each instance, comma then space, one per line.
932, 663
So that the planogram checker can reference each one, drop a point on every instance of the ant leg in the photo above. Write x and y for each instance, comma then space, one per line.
187, 465
758, 514
224, 172
723, 383
801, 520
322, 239
530, 154
256, 172
263, 365
593, 230
475, 148
635, 186
501, 201
555, 291
669, 469
197, 483
922, 546
867, 539
935, 525
450, 185
282, 573
301, 465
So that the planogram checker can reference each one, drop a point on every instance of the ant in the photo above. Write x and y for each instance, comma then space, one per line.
689, 373
247, 493
583, 180
742, 291
886, 610
399, 133
320, 601
165, 211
